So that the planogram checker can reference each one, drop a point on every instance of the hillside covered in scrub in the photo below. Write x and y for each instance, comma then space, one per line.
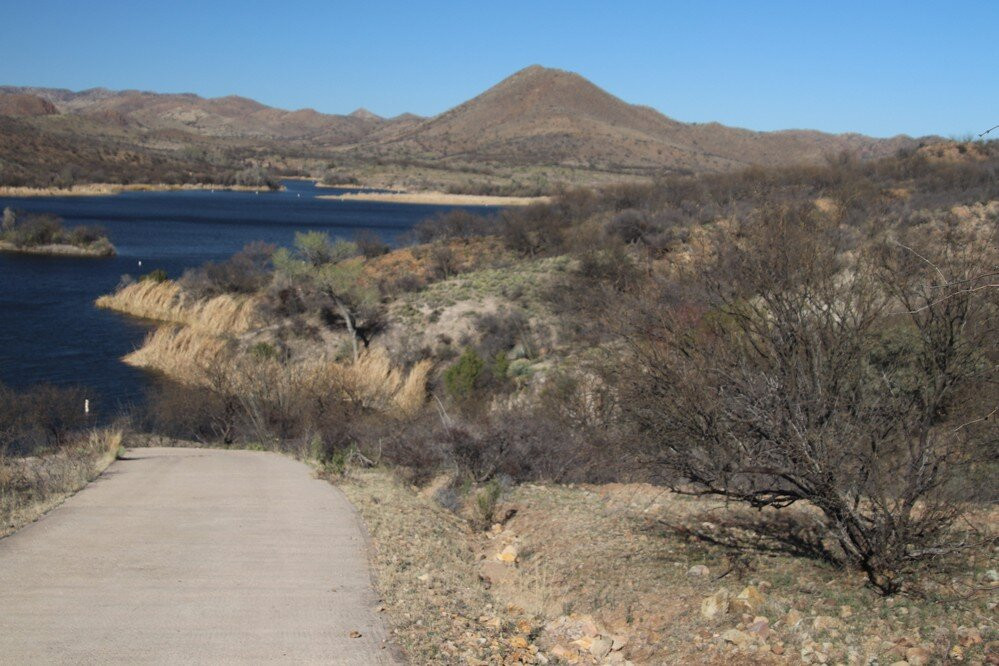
796, 367
531, 133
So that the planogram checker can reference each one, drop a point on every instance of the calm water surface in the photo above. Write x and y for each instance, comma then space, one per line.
49, 329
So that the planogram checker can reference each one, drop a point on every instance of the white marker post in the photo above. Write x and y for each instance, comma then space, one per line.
86, 405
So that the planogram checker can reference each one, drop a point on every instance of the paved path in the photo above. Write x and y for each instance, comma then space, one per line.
192, 556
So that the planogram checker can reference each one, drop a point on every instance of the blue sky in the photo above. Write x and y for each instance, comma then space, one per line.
880, 68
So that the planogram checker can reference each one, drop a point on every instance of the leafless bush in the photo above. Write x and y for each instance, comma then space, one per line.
778, 387
246, 272
39, 418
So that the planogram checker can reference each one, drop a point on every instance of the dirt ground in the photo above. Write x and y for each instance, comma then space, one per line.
595, 574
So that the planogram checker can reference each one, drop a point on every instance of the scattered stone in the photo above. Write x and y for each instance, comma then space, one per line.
969, 636
423, 578
760, 627
793, 618
355, 634
508, 555
748, 601
918, 656
825, 623
519, 643
956, 653
845, 612
494, 572
600, 647
618, 642
567, 655
992, 575
716, 604
736, 637
698, 571
899, 663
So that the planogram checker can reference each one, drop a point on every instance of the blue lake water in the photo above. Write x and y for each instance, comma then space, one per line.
51, 332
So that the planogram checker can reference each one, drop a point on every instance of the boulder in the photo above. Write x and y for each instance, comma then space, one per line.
715, 605
600, 647
698, 571
749, 600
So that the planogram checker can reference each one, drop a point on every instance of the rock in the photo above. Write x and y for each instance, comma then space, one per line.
749, 600
825, 623
845, 611
918, 656
423, 578
969, 636
600, 647
793, 618
495, 573
519, 643
760, 627
615, 658
736, 637
698, 571
508, 555
899, 663
618, 642
956, 653
992, 575
567, 655
354, 634
716, 604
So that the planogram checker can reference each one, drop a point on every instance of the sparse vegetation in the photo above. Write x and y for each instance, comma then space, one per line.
814, 343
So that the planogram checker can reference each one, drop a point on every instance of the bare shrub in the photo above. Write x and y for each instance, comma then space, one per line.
777, 387
246, 272
39, 418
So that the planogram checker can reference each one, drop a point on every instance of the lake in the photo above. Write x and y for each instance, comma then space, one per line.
51, 332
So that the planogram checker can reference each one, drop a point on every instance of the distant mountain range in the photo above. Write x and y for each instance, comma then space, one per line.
538, 117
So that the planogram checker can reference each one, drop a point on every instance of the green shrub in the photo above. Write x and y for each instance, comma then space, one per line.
461, 378
156, 275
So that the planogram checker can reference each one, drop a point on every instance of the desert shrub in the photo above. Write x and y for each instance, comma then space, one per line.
34, 230
155, 275
39, 418
246, 272
465, 374
370, 244
454, 224
443, 262
782, 389
85, 234
499, 332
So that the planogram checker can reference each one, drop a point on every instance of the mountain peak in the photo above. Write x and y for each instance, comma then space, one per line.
364, 114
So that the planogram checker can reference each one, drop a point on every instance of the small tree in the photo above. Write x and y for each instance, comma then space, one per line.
323, 265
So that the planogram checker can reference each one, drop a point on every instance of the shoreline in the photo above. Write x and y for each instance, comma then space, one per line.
436, 198
108, 189
60, 250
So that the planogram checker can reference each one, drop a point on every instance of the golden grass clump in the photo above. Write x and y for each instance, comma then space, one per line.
181, 352
224, 314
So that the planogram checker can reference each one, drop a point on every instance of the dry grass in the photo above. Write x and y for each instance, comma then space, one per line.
165, 301
29, 487
180, 352
597, 561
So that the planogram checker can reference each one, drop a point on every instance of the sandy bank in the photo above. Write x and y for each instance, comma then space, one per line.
101, 189
435, 198
61, 249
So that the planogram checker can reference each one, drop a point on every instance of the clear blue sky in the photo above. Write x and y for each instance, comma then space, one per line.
875, 67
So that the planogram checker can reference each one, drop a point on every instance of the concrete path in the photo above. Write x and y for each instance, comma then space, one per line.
187, 556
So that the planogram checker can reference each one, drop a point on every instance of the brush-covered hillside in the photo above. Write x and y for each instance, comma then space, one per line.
529, 134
